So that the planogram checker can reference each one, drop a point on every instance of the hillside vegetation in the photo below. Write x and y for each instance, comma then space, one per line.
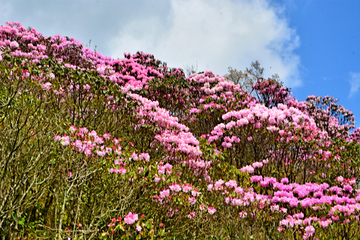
99, 148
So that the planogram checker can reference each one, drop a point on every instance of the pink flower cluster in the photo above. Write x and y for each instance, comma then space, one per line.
131, 218
90, 142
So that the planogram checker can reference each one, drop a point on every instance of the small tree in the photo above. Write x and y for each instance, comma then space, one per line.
249, 77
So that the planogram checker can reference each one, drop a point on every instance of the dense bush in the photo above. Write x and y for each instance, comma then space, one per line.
101, 148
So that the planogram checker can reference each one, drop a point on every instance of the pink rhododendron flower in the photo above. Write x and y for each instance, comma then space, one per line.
86, 87
191, 215
192, 200
46, 86
175, 187
248, 169
195, 192
256, 178
231, 184
218, 184
157, 179
257, 165
107, 136
72, 129
239, 190
285, 180
134, 156
98, 140
164, 193
309, 230
187, 188
243, 214
101, 153
92, 134
88, 152
145, 156
65, 140
121, 170
57, 138
340, 179
14, 44
211, 210
83, 130
131, 218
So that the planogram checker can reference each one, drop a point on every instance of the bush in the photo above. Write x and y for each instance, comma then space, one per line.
94, 147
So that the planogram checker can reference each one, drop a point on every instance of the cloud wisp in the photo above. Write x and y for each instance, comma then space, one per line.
215, 34
354, 83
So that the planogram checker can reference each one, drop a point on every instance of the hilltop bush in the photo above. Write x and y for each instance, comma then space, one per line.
101, 148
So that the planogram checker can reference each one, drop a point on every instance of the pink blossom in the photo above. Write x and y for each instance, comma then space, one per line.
239, 190
121, 170
46, 86
146, 157
14, 44
157, 179
57, 138
248, 169
310, 230
175, 187
164, 193
134, 156
195, 192
211, 210
187, 188
218, 184
65, 140
72, 128
191, 215
86, 87
101, 153
88, 152
284, 180
99, 140
243, 214
231, 184
92, 134
340, 178
107, 136
257, 165
348, 188
131, 218
192, 200
256, 178
83, 130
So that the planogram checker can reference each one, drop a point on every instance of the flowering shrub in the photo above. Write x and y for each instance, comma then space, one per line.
94, 147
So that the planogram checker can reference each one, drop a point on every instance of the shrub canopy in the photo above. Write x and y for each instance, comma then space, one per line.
94, 147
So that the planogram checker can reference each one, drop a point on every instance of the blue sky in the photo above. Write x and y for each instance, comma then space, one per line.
329, 33
314, 46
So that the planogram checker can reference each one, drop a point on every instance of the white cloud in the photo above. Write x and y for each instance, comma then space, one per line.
215, 34
355, 83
